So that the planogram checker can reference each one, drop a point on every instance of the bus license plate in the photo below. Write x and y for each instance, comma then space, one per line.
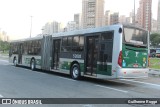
135, 65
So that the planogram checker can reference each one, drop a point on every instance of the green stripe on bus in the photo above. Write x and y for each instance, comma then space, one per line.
101, 69
28, 60
104, 69
66, 66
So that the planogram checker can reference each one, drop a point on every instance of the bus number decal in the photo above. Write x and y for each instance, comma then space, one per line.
77, 56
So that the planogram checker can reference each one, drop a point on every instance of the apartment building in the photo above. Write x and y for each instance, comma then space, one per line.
92, 13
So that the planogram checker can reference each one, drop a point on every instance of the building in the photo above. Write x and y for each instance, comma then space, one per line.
114, 18
78, 20
133, 16
122, 19
129, 20
107, 17
144, 14
71, 26
92, 13
125, 20
158, 17
154, 25
4, 36
52, 27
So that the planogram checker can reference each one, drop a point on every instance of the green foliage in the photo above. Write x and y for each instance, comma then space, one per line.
155, 39
154, 63
4, 46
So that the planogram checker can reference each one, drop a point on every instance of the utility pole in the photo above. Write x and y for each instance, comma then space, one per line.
134, 20
31, 27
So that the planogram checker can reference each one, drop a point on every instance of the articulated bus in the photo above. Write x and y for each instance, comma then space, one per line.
116, 51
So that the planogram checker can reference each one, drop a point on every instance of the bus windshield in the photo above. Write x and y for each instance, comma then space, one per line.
135, 36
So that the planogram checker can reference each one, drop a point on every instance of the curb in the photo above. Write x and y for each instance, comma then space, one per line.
154, 72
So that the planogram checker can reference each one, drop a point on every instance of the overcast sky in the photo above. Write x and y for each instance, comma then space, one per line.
15, 14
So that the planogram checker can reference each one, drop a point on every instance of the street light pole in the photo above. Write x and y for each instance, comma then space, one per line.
134, 13
31, 27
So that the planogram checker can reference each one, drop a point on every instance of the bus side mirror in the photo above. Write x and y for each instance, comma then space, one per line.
120, 30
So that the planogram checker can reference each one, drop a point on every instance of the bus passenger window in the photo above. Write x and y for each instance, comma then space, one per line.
107, 35
64, 41
76, 41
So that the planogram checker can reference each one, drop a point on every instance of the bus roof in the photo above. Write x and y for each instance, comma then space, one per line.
40, 36
94, 30
80, 32
87, 31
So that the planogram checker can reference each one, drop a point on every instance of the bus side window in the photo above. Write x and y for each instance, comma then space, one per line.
107, 35
78, 44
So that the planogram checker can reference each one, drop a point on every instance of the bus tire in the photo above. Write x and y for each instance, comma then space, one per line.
33, 65
75, 71
15, 62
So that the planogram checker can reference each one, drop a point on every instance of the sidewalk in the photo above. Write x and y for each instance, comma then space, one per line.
154, 72
4, 56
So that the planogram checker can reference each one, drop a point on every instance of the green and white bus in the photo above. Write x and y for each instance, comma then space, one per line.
116, 51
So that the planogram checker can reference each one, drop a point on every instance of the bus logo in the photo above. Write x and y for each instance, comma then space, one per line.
137, 54
126, 53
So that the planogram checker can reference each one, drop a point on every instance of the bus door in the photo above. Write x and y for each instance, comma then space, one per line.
91, 55
20, 52
105, 58
56, 53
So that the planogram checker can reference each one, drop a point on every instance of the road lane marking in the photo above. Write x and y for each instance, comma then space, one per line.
88, 105
67, 79
157, 85
1, 96
112, 88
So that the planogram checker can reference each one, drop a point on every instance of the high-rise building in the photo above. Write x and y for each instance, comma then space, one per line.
144, 14
114, 18
125, 20
78, 20
51, 27
133, 17
107, 17
122, 19
154, 25
92, 13
4, 36
158, 17
71, 26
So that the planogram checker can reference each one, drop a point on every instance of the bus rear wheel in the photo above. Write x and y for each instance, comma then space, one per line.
33, 65
75, 71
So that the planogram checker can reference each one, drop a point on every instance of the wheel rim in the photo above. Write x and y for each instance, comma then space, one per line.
75, 72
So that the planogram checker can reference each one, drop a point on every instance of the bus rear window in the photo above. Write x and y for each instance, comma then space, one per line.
135, 36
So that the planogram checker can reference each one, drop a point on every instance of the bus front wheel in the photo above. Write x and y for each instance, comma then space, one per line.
75, 71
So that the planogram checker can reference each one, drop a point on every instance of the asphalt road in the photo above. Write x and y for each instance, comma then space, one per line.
21, 82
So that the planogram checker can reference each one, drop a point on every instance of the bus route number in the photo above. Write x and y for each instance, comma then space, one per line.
77, 56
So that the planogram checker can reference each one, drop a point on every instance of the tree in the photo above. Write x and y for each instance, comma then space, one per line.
4, 46
155, 39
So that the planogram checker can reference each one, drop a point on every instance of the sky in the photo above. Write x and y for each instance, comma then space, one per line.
15, 15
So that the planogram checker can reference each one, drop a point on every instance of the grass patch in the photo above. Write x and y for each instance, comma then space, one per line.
4, 52
154, 63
